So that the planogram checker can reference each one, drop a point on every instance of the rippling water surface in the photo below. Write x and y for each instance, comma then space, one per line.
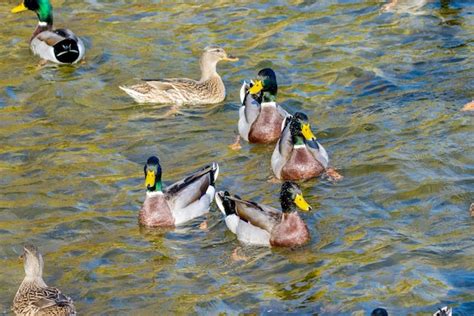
383, 92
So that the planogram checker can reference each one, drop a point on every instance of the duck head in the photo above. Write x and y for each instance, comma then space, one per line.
265, 86
379, 312
291, 198
32, 261
43, 9
152, 172
209, 59
300, 129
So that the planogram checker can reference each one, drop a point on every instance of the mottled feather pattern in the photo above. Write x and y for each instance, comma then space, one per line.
32, 299
179, 91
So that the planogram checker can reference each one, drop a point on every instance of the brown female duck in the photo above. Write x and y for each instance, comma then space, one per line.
208, 90
34, 297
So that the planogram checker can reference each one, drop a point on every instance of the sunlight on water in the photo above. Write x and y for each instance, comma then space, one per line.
383, 92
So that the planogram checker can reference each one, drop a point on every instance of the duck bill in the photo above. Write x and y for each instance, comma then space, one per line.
301, 203
19, 8
307, 133
231, 58
256, 87
150, 179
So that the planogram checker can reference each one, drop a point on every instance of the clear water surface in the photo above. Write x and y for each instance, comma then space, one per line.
383, 92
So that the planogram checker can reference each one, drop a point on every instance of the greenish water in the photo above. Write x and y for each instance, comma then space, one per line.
383, 92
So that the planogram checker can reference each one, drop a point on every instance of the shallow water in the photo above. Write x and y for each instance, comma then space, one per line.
383, 92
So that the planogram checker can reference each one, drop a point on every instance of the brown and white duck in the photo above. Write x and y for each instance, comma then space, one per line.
60, 46
259, 224
261, 119
179, 202
298, 155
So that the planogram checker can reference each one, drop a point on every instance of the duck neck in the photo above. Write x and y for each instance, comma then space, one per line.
298, 141
268, 97
208, 68
156, 188
35, 280
45, 13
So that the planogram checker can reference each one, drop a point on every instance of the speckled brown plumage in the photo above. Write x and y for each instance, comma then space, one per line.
208, 90
34, 297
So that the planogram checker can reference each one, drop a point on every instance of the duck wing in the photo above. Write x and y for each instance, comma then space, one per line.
49, 297
318, 152
173, 84
282, 150
191, 188
262, 216
60, 45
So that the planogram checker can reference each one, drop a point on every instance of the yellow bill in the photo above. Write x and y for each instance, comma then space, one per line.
307, 133
257, 87
301, 203
150, 178
19, 8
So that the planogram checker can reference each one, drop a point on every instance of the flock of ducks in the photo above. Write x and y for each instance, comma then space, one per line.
297, 156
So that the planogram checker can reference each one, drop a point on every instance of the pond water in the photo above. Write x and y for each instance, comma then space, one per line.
383, 92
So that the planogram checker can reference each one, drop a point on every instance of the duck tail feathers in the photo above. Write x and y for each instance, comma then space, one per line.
214, 173
226, 205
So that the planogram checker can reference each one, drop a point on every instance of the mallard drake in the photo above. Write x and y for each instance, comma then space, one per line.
180, 202
61, 46
379, 312
297, 155
34, 297
445, 311
263, 225
208, 90
260, 117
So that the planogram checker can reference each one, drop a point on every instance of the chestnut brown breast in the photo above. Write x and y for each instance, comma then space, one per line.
291, 232
155, 212
301, 166
267, 127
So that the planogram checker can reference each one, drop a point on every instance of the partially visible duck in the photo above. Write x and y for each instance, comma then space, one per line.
179, 202
60, 46
181, 91
34, 297
445, 311
261, 119
298, 155
262, 225
379, 312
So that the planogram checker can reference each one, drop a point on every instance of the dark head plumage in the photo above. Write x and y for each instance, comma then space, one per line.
291, 198
152, 172
379, 312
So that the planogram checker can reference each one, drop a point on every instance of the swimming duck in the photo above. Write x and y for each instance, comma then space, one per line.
34, 297
298, 155
260, 117
180, 202
379, 312
208, 90
263, 225
445, 311
60, 46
